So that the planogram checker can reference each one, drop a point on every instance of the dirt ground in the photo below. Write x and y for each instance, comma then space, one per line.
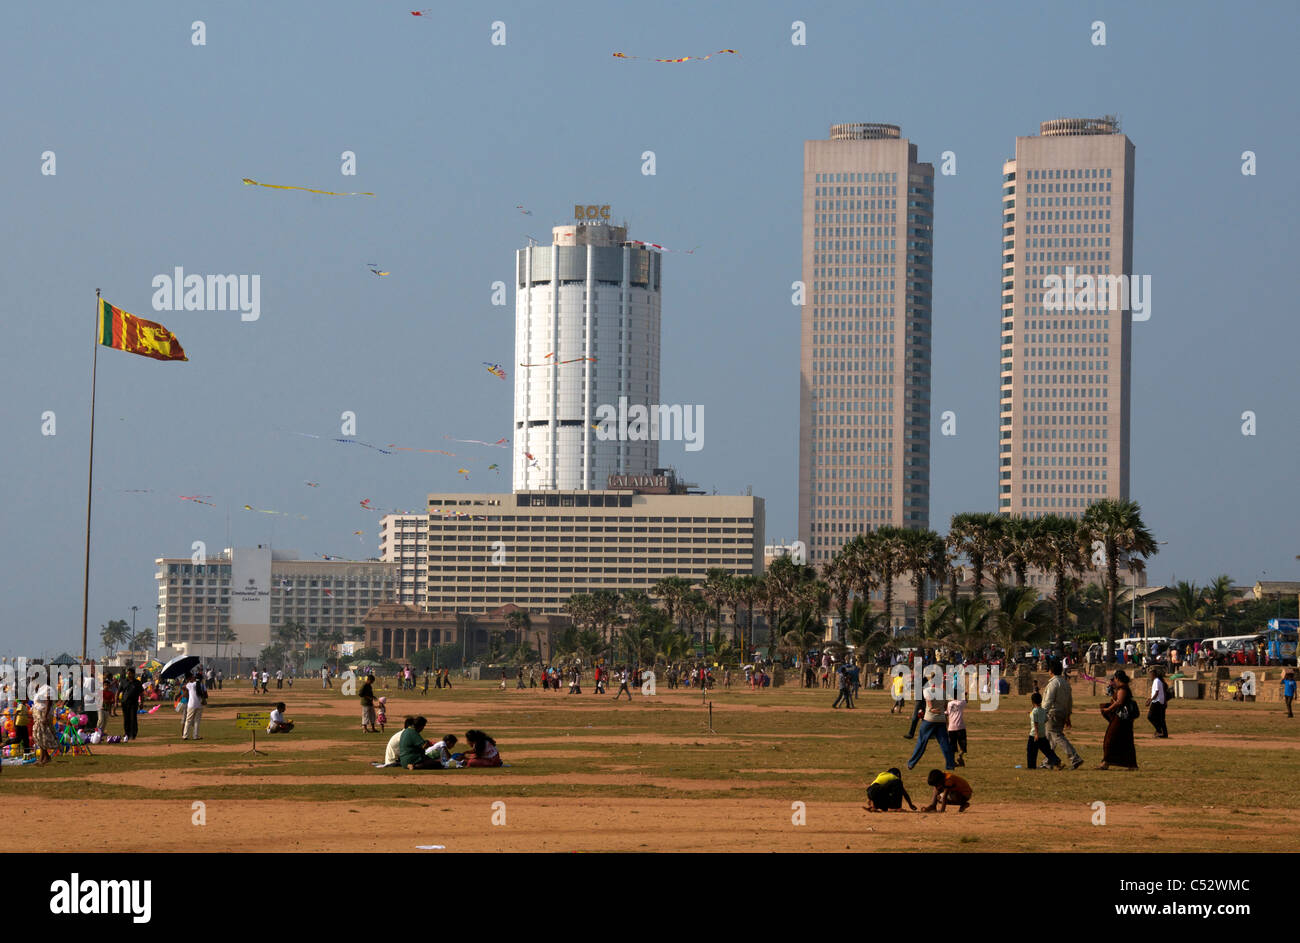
594, 824
586, 775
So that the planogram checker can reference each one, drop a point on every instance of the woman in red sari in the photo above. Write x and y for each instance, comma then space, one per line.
1117, 747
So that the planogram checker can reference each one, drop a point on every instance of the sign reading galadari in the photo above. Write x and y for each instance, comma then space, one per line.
252, 720
649, 484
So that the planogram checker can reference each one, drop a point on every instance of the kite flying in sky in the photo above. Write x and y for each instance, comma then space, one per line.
555, 363
276, 186
619, 55
495, 369
398, 448
499, 443
655, 245
374, 267
520, 208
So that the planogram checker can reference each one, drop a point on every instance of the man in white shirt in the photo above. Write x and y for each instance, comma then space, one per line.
194, 694
1157, 703
266, 676
277, 722
390, 751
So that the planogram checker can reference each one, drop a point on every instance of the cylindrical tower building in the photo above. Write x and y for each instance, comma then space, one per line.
586, 336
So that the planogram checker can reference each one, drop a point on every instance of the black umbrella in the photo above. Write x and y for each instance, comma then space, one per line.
178, 667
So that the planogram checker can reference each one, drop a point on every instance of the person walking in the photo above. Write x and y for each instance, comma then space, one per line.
279, 679
1157, 703
934, 725
130, 695
196, 697
918, 709
957, 728
1117, 746
623, 686
1038, 742
846, 688
1059, 704
1288, 691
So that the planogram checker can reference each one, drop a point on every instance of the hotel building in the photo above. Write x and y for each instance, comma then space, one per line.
536, 549
250, 591
587, 327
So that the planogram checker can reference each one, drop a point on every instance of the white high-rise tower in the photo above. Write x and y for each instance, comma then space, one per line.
586, 335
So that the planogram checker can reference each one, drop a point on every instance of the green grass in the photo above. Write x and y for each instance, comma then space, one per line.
761, 747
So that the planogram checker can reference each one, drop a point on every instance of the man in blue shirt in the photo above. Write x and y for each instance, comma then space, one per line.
1288, 691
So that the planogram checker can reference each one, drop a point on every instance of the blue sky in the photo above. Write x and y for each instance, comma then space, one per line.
152, 136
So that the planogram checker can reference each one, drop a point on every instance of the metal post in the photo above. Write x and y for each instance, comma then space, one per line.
90, 480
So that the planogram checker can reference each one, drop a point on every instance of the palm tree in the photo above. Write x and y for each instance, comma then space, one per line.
579, 608
780, 582
1218, 599
838, 576
859, 562
717, 590
1115, 528
866, 630
977, 536
747, 593
694, 609
143, 640
921, 553
114, 634
671, 589
1019, 619
1056, 549
519, 622
1015, 546
884, 551
1189, 611
966, 625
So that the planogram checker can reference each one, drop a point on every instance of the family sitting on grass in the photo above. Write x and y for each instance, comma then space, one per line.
411, 750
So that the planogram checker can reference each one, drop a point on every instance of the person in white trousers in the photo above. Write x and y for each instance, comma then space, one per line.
195, 694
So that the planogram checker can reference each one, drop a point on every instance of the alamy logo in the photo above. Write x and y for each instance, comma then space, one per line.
949, 683
24, 681
639, 423
75, 896
181, 292
1098, 293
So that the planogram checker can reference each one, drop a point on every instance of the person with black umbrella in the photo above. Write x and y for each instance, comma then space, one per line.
196, 695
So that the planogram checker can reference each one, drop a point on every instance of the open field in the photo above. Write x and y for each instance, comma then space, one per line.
586, 774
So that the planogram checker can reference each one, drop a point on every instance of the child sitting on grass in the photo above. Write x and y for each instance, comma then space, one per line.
483, 749
948, 788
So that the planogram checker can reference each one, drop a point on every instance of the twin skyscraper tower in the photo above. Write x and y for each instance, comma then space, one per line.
588, 335
867, 328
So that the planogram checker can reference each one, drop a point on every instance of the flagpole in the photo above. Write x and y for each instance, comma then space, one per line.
90, 482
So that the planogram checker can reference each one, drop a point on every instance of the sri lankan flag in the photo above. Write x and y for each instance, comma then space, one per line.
136, 335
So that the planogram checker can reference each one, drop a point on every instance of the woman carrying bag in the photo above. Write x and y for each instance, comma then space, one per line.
1117, 747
